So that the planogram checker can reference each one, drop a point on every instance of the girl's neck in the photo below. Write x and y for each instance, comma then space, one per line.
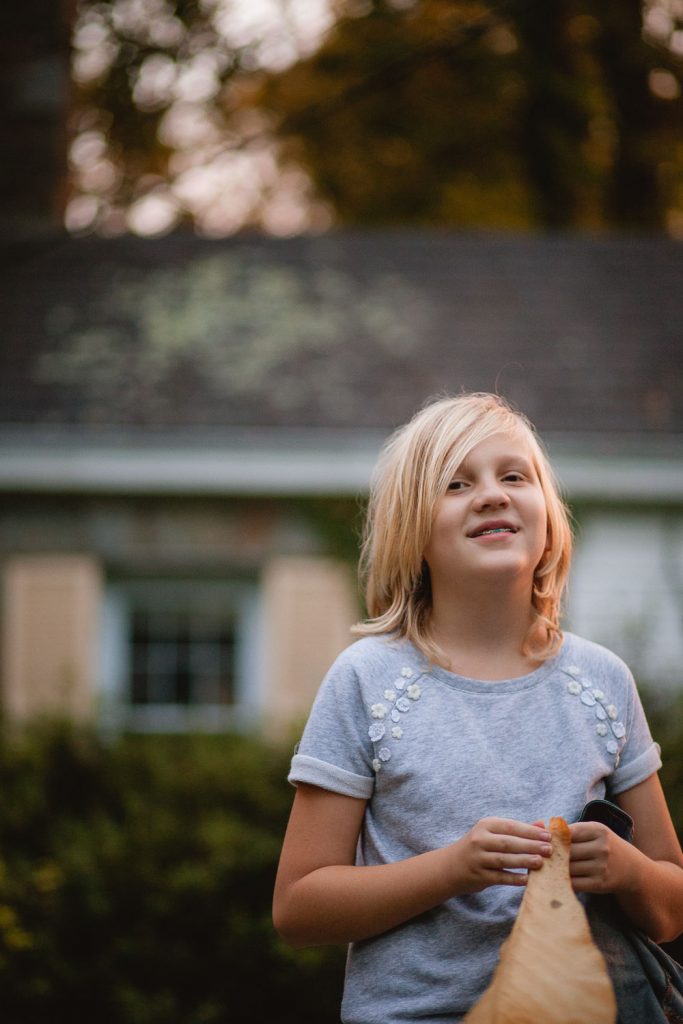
483, 639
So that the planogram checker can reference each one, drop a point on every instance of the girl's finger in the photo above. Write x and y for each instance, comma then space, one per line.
510, 845
505, 861
582, 852
506, 878
585, 831
583, 869
519, 829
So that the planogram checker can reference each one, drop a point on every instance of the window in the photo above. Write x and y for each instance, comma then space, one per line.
179, 655
183, 657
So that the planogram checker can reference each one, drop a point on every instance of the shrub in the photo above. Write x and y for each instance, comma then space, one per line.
136, 880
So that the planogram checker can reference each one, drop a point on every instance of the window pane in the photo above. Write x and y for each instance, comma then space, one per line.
182, 658
161, 689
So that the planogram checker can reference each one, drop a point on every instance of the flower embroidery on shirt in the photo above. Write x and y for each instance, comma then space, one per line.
400, 696
607, 714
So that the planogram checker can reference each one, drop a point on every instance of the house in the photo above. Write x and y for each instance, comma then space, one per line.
188, 428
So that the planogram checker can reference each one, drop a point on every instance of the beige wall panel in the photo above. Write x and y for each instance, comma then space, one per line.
310, 605
51, 608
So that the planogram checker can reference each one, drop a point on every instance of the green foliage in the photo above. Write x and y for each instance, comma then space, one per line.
513, 115
466, 113
136, 880
665, 717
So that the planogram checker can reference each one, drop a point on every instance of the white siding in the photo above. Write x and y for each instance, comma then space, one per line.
626, 591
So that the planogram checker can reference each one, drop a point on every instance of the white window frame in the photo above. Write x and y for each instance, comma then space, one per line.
115, 710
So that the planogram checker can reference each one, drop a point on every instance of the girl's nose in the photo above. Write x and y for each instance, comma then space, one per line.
491, 495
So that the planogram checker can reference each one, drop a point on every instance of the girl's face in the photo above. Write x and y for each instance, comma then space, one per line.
492, 521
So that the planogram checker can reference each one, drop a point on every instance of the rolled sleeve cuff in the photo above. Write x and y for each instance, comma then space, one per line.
628, 775
329, 776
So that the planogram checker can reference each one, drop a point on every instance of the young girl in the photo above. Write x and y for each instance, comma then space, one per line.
441, 742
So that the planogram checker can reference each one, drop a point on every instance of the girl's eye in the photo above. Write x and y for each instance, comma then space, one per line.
515, 477
456, 485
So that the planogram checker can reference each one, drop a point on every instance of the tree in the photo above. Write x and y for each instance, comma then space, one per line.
164, 119
524, 113
469, 113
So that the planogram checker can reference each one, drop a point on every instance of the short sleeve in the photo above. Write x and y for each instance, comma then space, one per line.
335, 751
640, 755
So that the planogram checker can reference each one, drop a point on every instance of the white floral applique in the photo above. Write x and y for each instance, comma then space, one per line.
608, 725
398, 699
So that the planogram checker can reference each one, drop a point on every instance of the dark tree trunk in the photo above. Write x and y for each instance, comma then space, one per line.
634, 198
554, 121
34, 87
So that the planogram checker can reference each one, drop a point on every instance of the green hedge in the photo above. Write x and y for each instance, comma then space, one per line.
136, 880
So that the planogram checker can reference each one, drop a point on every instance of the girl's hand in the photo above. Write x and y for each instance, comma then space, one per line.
600, 860
495, 846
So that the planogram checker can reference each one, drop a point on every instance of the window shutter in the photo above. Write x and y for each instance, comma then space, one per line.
50, 612
310, 605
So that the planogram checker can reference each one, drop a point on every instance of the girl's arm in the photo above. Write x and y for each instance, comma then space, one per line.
646, 877
321, 897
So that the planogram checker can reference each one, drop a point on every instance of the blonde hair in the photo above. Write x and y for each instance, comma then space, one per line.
413, 473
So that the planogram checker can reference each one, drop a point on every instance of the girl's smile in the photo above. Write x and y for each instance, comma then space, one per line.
495, 528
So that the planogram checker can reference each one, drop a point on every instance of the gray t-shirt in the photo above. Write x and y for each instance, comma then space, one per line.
433, 753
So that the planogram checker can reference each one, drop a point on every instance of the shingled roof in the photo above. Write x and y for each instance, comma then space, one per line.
348, 330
